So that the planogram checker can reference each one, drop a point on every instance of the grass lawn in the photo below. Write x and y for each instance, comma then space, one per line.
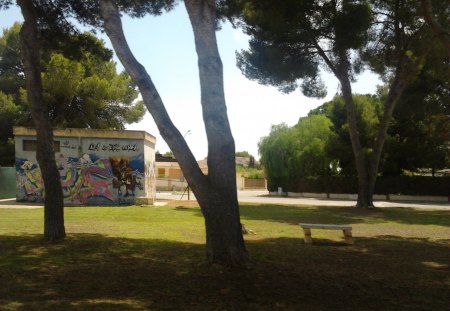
153, 258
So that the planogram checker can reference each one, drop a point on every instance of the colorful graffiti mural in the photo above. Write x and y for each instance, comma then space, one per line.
85, 180
30, 185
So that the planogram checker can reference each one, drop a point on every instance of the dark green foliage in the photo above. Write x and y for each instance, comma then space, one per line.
4, 4
258, 64
281, 51
290, 39
8, 113
11, 69
88, 12
351, 24
368, 112
420, 130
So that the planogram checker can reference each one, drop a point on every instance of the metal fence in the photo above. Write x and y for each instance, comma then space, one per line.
7, 182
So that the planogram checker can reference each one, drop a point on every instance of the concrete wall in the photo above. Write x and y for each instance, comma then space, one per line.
150, 171
94, 169
165, 184
7, 182
354, 197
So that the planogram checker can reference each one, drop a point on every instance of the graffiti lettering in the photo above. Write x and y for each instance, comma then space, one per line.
66, 145
129, 147
94, 146
113, 147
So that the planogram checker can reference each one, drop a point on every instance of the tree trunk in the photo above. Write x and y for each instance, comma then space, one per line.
216, 193
53, 206
395, 92
365, 197
223, 229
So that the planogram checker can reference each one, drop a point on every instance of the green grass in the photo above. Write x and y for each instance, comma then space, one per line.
153, 258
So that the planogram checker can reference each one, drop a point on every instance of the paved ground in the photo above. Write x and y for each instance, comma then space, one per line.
262, 197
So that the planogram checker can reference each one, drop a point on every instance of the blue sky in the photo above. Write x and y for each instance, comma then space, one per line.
165, 46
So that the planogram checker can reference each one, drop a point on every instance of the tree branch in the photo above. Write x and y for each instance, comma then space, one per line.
442, 32
150, 96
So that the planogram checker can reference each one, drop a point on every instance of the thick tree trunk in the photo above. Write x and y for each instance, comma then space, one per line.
216, 193
365, 196
53, 206
223, 229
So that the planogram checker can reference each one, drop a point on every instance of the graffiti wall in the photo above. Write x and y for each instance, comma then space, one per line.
109, 172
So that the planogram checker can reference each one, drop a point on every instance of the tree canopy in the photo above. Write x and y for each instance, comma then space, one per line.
290, 153
368, 113
81, 90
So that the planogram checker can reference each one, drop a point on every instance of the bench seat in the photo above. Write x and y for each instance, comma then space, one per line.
347, 230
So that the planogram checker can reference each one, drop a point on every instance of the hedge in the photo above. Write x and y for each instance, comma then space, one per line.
406, 185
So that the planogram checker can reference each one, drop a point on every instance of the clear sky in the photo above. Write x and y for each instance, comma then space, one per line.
165, 46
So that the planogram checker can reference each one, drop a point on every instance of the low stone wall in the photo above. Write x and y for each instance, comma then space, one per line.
170, 185
354, 197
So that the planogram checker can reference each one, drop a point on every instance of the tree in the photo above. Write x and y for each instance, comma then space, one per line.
81, 90
399, 52
9, 112
313, 135
290, 37
53, 207
420, 130
215, 192
291, 153
368, 113
299, 35
90, 93
275, 153
11, 68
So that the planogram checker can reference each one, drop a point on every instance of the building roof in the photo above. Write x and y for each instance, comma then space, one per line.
94, 133
160, 158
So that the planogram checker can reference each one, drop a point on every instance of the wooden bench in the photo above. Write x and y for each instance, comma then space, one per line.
347, 230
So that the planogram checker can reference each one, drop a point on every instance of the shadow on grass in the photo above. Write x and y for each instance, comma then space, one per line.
343, 215
336, 215
95, 272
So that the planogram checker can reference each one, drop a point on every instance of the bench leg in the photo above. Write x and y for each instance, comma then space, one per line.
348, 236
307, 232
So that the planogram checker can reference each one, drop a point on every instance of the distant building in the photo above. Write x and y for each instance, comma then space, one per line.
97, 167
169, 176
